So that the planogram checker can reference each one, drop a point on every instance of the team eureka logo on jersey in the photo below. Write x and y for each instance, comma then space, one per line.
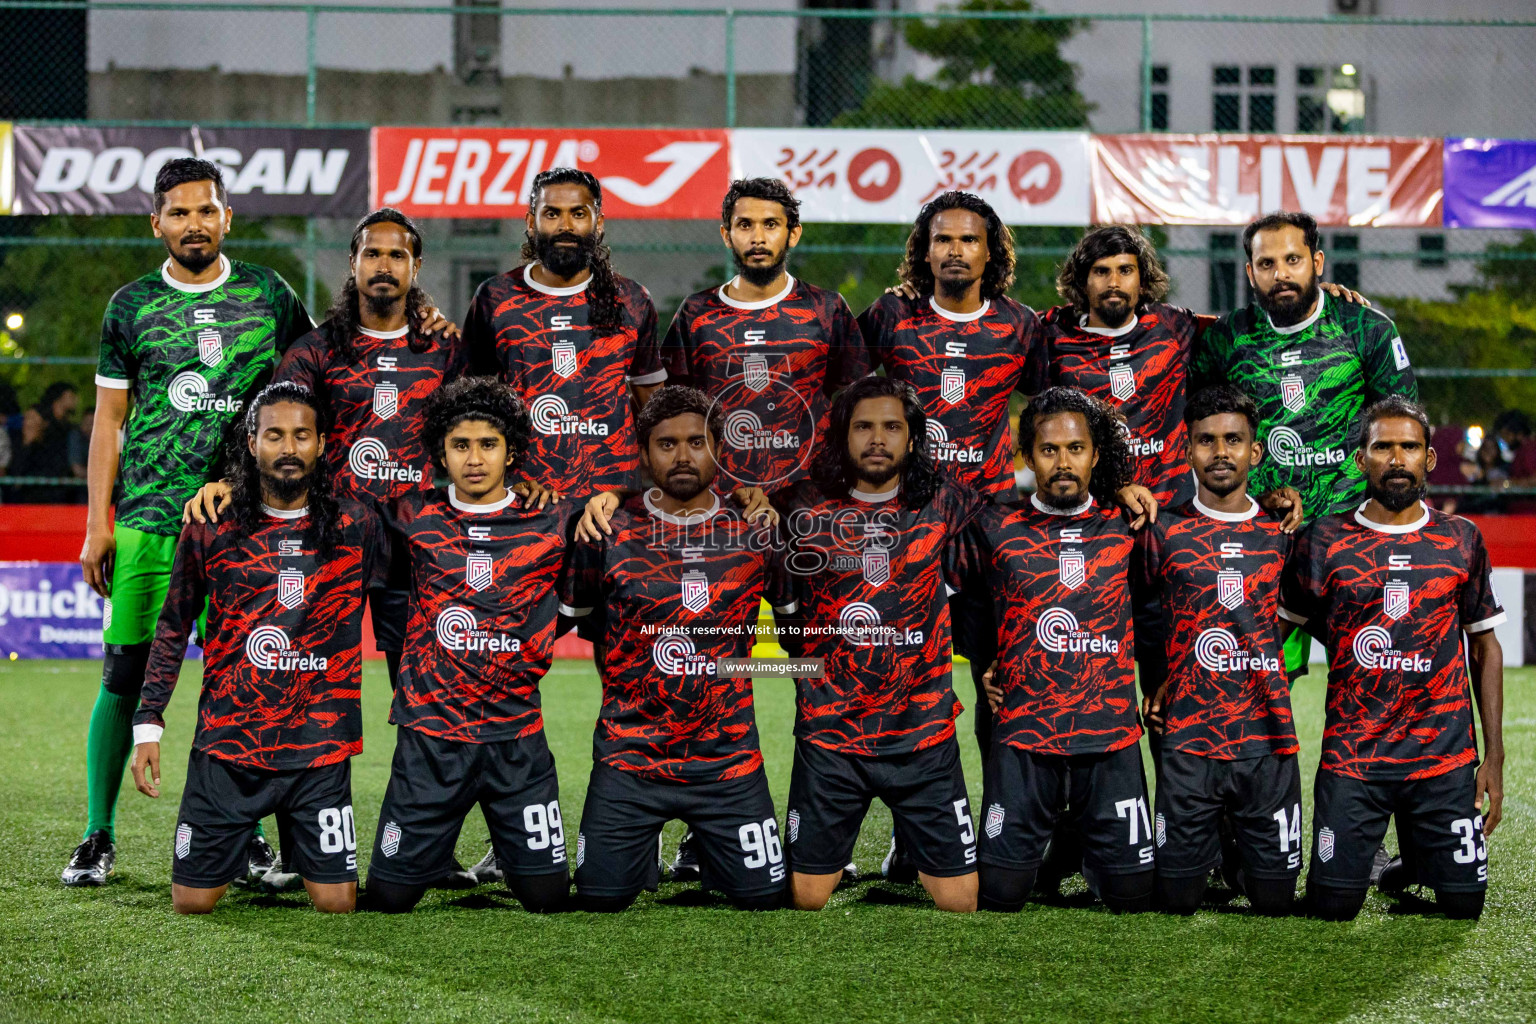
386, 399
1372, 647
1071, 567
675, 655
389, 839
744, 430
479, 571
1293, 392
1217, 650
269, 648
763, 412
369, 459
1058, 632
1141, 446
1286, 445
944, 450
562, 356
952, 385
290, 588
695, 591
457, 630
210, 347
1229, 588
553, 418
188, 392
859, 623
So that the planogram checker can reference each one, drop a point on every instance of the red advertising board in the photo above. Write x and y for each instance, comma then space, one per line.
487, 172
1354, 181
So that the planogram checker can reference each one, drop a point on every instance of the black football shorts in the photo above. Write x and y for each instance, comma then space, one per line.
740, 852
1104, 796
433, 783
829, 794
223, 801
1260, 796
1439, 830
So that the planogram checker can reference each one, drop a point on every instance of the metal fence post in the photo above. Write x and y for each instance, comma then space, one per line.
309, 265
1146, 73
730, 67
311, 74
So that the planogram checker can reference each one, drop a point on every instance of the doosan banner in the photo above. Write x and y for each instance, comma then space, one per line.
1354, 181
884, 177
1490, 183
48, 611
488, 172
315, 172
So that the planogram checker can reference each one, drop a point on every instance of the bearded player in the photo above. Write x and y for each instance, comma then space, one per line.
1224, 711
280, 715
1402, 597
483, 565
185, 348
875, 540
1065, 733
666, 600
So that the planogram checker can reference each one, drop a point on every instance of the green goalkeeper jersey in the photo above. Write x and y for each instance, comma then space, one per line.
192, 356
1311, 381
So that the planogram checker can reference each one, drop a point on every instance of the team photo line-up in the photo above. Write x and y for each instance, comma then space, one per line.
1210, 494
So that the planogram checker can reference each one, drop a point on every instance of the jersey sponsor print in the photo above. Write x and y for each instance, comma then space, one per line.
1391, 604
773, 367
1311, 382
574, 380
1141, 369
1062, 617
483, 616
965, 368
873, 579
282, 662
377, 402
1216, 576
664, 599
190, 357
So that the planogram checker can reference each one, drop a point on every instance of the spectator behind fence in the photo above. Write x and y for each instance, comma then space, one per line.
45, 436
80, 443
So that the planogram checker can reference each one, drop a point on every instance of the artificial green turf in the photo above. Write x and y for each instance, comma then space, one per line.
878, 953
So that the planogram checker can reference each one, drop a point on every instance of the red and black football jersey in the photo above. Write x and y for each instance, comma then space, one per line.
377, 403
665, 598
483, 613
1142, 370
873, 579
282, 663
773, 366
574, 381
1217, 578
1390, 604
1062, 611
964, 367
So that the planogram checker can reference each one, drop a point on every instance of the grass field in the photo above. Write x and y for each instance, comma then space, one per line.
879, 953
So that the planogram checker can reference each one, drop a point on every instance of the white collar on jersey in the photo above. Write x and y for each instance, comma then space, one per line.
285, 513
1417, 524
1228, 517
789, 286
1111, 332
196, 289
476, 510
703, 516
959, 318
874, 498
1034, 499
1322, 301
575, 289
385, 335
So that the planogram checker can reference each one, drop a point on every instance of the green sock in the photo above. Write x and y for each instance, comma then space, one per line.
1298, 652
260, 831
107, 747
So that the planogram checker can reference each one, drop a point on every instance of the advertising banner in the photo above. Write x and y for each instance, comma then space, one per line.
1346, 180
883, 177
1490, 183
47, 611
487, 172
78, 169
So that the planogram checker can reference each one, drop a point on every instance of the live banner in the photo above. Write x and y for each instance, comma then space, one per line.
1344, 181
1490, 183
877, 176
79, 169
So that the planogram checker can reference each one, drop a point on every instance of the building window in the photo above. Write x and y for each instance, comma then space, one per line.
1226, 271
1159, 97
1345, 261
1330, 99
1243, 102
1432, 252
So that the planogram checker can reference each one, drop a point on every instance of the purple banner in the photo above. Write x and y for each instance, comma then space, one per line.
47, 611
1490, 183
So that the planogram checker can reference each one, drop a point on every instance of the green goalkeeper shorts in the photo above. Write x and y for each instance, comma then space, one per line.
141, 575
